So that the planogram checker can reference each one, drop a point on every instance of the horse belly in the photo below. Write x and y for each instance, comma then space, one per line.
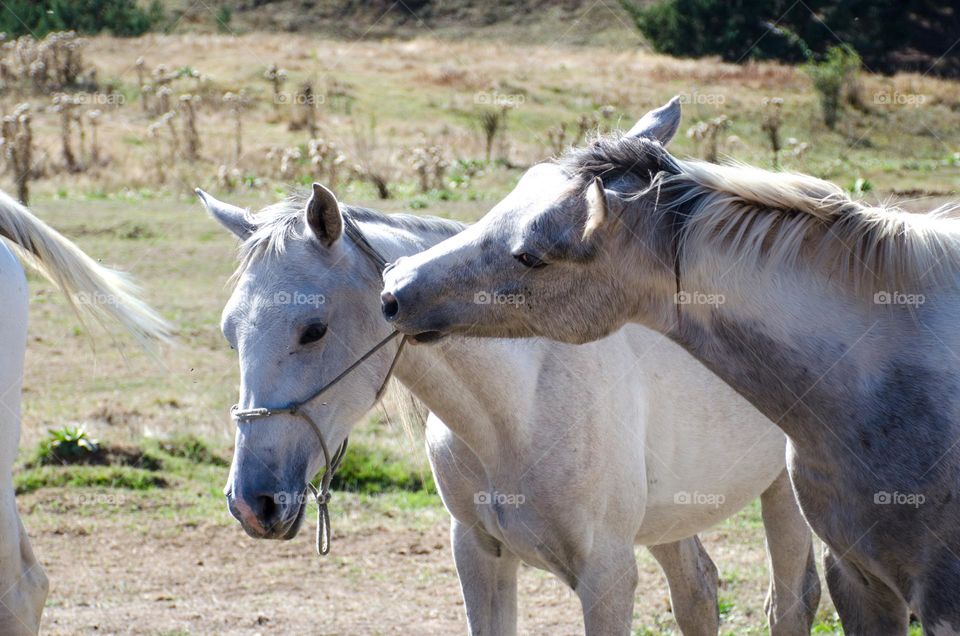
710, 476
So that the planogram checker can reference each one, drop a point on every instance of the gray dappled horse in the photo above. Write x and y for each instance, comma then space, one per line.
839, 321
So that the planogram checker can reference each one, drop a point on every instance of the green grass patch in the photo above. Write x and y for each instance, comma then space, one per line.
368, 470
193, 449
85, 477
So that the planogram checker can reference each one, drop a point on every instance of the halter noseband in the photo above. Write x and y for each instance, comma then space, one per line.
332, 462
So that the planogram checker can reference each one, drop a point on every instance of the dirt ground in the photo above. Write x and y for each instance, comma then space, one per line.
141, 571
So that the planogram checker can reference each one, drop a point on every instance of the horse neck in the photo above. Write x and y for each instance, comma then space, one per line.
806, 349
480, 388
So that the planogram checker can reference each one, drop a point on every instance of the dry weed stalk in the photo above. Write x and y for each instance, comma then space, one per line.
276, 76
557, 138
492, 122
163, 99
237, 103
190, 133
707, 135
429, 163
772, 120
94, 117
18, 149
305, 102
374, 163
52, 64
325, 161
67, 106
142, 85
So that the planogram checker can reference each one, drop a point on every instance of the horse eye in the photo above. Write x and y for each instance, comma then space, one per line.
529, 260
313, 333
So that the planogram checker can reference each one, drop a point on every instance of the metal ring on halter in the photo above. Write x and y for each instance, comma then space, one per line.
331, 463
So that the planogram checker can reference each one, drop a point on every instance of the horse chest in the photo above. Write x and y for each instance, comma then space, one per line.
514, 521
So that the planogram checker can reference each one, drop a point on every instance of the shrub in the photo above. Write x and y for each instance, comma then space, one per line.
39, 17
697, 28
832, 77
889, 34
68, 444
224, 15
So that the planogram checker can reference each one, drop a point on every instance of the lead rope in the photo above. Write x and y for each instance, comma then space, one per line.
322, 495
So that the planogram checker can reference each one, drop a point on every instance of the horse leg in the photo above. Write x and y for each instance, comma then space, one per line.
692, 578
488, 580
939, 602
794, 593
866, 606
606, 586
23, 583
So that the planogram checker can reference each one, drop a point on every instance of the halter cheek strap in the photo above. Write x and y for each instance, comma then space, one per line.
331, 462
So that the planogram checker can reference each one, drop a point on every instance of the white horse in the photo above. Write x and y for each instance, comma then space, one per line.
101, 292
563, 457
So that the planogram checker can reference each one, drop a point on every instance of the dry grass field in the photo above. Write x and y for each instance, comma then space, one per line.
132, 550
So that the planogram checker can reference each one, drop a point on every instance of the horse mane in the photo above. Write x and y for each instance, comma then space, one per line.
768, 219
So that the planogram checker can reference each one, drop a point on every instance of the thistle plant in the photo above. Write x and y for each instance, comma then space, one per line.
772, 120
190, 134
67, 107
18, 149
276, 76
707, 134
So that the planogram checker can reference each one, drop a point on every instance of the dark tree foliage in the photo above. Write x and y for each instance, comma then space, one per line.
39, 17
888, 34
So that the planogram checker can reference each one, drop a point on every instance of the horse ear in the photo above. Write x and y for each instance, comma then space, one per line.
602, 205
235, 219
660, 124
323, 215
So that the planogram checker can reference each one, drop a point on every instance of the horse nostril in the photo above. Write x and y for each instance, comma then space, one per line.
267, 505
389, 305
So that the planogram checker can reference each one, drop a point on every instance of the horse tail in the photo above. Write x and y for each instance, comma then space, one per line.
92, 289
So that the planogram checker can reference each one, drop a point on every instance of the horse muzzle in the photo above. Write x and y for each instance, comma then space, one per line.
269, 515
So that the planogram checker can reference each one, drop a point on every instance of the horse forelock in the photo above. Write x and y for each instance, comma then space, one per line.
278, 224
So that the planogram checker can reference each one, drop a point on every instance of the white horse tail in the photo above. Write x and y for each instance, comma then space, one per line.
96, 290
